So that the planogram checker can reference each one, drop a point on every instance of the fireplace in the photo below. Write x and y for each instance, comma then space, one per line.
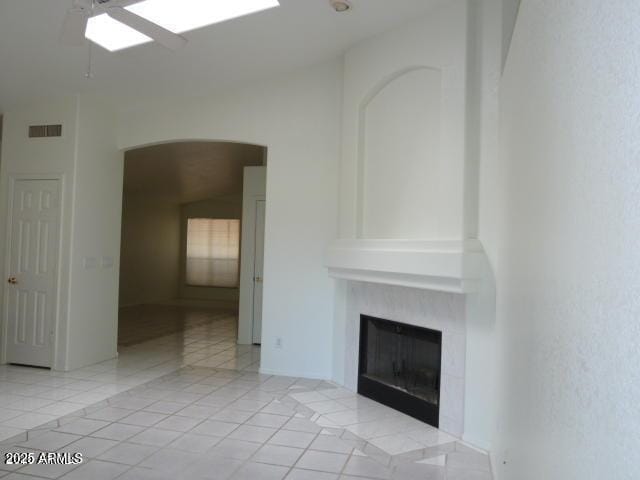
399, 366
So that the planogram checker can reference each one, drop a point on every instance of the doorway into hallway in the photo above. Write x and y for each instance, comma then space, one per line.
186, 236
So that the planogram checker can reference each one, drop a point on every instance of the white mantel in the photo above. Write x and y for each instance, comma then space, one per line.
446, 266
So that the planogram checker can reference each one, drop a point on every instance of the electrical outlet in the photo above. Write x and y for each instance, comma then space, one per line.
278, 342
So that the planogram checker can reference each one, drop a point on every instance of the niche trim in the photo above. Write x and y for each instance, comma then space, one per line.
362, 129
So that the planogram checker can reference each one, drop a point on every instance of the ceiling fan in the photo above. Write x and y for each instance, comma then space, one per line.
75, 23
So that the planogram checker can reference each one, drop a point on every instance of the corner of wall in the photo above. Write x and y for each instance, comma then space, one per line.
338, 331
95, 233
510, 10
480, 410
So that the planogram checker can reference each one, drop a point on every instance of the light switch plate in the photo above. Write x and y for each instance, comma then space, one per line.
107, 262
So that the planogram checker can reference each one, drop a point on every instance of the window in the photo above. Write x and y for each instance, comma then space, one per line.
213, 248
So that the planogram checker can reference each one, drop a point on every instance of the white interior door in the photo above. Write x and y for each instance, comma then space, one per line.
34, 224
258, 279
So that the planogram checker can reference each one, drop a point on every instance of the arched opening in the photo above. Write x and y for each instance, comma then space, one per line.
192, 244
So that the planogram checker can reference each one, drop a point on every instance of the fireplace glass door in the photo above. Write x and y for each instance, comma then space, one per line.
400, 367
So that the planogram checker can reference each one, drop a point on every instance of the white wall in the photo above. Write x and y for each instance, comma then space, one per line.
404, 115
221, 207
509, 16
96, 211
24, 156
150, 254
254, 188
297, 118
560, 221
424, 186
484, 64
87, 158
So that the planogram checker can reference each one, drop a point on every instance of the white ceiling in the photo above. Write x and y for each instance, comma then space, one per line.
184, 172
300, 32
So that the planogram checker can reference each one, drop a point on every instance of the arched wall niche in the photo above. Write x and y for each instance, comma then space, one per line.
399, 156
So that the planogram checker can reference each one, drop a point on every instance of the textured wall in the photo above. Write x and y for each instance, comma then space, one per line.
561, 222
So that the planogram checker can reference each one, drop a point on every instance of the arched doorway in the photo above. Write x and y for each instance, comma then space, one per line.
190, 263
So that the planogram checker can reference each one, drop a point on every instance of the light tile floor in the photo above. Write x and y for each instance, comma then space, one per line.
139, 323
31, 396
191, 405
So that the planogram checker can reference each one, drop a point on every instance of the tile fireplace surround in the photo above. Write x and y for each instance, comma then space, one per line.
423, 308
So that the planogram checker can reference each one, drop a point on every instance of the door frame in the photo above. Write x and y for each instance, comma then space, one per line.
257, 199
253, 190
8, 218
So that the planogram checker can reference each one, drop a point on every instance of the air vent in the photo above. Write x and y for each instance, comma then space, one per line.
39, 131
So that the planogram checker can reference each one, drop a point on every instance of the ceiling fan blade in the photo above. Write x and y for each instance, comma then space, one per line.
74, 27
122, 3
159, 34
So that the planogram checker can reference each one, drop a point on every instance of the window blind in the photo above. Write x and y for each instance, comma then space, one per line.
213, 250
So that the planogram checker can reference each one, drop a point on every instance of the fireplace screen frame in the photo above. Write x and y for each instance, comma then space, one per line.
389, 395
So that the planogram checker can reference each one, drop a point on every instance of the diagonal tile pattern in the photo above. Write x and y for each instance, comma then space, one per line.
268, 434
188, 420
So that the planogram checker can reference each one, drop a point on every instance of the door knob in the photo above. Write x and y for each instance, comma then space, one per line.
12, 280
258, 279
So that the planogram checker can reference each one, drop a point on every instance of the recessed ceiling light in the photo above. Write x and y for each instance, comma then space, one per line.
340, 5
178, 16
